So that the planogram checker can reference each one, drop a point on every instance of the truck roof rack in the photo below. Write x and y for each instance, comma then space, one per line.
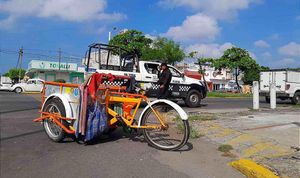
111, 50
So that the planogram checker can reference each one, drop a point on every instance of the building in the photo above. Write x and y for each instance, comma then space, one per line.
217, 79
51, 71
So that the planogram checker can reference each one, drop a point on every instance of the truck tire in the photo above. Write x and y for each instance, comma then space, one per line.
193, 98
18, 90
296, 98
267, 98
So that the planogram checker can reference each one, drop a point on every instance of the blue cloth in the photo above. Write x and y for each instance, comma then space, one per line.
96, 122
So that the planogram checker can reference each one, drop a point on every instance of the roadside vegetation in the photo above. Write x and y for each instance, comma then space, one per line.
227, 95
225, 148
202, 117
195, 133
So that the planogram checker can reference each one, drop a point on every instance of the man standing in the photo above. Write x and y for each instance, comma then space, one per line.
165, 77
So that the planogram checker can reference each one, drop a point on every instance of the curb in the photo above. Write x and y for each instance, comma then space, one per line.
251, 169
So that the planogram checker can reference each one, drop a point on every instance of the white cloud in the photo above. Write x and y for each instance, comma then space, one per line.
291, 49
266, 55
220, 9
151, 36
196, 27
298, 17
261, 44
209, 50
285, 62
68, 10
252, 55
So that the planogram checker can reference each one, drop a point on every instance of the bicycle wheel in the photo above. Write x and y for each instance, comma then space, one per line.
54, 132
174, 136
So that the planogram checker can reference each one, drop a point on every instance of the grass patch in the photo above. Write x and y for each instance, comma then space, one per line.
194, 133
225, 148
226, 95
201, 118
297, 105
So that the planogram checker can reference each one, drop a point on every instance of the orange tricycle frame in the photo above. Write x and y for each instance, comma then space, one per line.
113, 94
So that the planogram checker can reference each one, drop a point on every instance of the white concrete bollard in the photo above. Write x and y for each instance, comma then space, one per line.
255, 91
272, 95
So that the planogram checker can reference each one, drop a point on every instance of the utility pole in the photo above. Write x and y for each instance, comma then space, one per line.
59, 58
19, 65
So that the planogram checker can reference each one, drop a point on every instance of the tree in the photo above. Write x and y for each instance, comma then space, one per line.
14, 73
165, 50
133, 41
201, 61
239, 60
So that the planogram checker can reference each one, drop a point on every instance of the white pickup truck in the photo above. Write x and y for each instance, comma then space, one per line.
287, 84
32, 85
191, 90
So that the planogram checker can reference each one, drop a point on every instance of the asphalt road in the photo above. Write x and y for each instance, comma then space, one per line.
27, 152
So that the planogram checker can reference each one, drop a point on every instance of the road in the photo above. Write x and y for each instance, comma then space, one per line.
27, 152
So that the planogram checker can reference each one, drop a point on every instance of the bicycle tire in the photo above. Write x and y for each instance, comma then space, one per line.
156, 140
53, 131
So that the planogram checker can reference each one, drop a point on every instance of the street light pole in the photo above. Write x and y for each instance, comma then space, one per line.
109, 36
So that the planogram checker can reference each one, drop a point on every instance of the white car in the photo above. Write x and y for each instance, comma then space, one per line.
32, 85
5, 86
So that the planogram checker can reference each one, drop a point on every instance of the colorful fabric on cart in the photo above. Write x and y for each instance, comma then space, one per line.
96, 121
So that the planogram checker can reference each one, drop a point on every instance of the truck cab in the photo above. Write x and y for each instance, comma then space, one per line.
104, 58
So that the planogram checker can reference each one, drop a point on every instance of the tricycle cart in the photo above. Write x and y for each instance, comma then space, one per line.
104, 102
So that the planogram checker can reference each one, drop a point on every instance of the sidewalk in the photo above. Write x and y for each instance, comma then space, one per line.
268, 137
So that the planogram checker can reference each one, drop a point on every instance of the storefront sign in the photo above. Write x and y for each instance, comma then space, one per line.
48, 65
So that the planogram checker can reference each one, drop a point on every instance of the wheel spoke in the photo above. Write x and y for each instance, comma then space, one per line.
173, 136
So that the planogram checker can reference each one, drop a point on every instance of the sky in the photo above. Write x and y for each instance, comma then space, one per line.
268, 29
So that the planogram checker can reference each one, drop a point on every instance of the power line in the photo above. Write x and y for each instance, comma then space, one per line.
43, 55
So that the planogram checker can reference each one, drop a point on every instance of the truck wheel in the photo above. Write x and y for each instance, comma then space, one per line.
267, 98
54, 132
18, 90
296, 98
193, 98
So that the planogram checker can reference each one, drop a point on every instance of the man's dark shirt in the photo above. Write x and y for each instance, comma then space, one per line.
165, 78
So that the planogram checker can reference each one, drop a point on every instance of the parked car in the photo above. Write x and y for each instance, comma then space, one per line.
287, 84
5, 83
5, 86
32, 85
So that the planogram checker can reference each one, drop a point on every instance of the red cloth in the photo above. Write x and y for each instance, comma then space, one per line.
97, 78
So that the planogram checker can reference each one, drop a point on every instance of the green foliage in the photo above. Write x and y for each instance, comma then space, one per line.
60, 81
14, 73
195, 133
133, 41
264, 68
165, 50
202, 117
238, 58
227, 95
